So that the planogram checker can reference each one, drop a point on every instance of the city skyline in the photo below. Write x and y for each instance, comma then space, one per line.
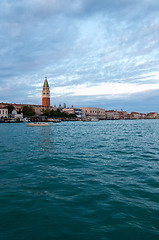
94, 53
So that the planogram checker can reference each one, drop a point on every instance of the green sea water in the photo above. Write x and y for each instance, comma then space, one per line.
80, 180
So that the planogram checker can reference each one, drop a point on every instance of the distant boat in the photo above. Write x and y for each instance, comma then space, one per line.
12, 121
38, 124
91, 120
94, 120
54, 120
26, 120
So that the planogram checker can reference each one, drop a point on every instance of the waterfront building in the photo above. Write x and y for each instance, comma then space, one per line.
16, 115
3, 113
68, 110
77, 111
115, 115
136, 115
128, 116
60, 108
112, 115
152, 115
123, 114
46, 94
95, 113
19, 107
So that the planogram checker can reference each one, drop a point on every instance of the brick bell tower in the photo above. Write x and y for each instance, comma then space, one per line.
46, 94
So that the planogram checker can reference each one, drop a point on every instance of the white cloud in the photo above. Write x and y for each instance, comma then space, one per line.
105, 89
86, 47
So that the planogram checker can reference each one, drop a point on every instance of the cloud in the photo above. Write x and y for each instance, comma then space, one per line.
86, 48
108, 89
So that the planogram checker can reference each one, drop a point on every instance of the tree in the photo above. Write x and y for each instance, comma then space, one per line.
10, 108
28, 111
58, 114
72, 115
19, 111
46, 112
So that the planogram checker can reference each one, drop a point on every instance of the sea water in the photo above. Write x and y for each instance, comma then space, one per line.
80, 180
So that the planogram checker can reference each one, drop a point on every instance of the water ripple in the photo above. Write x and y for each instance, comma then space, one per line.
80, 180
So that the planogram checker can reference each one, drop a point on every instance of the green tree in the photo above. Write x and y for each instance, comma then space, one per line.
72, 115
19, 111
58, 114
10, 108
28, 111
46, 112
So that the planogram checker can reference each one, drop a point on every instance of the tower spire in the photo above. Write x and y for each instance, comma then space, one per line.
46, 82
46, 94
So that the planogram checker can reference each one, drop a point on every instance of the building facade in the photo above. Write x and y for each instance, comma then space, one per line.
77, 111
16, 115
152, 115
3, 113
19, 107
94, 113
46, 94
116, 115
112, 115
136, 115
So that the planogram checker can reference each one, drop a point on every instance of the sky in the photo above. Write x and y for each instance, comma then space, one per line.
97, 53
